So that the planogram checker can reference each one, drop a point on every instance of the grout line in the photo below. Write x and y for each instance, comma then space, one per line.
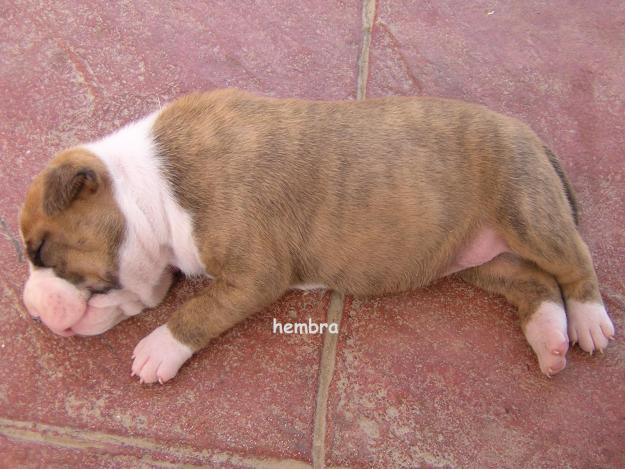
82, 439
326, 371
368, 15
337, 300
7, 233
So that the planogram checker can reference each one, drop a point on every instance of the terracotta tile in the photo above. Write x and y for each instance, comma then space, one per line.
443, 377
46, 447
556, 65
251, 391
72, 72
436, 377
76, 71
25, 455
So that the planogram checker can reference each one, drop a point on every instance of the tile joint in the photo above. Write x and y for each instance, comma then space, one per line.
337, 300
37, 433
368, 18
326, 372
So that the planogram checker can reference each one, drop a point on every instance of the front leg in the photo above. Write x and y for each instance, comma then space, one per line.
159, 356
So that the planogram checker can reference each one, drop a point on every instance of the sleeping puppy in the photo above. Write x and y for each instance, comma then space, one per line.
263, 195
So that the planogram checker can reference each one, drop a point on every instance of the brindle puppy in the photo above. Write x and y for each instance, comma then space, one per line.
263, 194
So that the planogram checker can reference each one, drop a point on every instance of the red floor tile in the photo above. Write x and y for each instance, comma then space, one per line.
557, 66
74, 71
443, 377
71, 72
27, 455
57, 450
434, 378
250, 391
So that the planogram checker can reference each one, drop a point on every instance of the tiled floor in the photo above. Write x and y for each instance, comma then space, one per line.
440, 377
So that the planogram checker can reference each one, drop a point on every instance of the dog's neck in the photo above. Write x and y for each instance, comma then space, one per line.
158, 230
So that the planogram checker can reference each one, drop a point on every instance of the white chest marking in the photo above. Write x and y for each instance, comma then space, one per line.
159, 232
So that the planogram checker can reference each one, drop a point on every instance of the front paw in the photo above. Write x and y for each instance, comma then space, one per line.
159, 356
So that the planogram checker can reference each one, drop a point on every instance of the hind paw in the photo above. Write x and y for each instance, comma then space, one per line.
589, 325
546, 333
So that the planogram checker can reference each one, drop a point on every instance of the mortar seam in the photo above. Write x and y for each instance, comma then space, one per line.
70, 437
368, 15
337, 300
326, 372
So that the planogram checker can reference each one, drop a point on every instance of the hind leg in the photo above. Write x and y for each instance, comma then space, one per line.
558, 249
537, 297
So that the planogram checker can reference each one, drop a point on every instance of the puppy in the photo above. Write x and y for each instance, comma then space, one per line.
263, 195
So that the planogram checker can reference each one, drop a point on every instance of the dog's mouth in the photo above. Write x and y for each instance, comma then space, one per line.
69, 332
100, 285
106, 307
102, 290
68, 309
92, 322
75, 329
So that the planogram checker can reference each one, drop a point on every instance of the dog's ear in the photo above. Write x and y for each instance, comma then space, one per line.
65, 183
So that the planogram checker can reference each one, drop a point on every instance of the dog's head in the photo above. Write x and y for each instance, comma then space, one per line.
70, 221
72, 230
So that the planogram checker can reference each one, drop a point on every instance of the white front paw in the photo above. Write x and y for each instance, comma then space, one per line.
589, 325
159, 356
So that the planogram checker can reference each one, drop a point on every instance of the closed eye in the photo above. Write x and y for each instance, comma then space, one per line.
35, 253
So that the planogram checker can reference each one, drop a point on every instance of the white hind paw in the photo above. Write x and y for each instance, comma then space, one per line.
546, 333
589, 325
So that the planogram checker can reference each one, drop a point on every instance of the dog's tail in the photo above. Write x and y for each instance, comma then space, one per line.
568, 190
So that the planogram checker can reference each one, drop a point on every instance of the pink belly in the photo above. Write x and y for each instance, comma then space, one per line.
484, 246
